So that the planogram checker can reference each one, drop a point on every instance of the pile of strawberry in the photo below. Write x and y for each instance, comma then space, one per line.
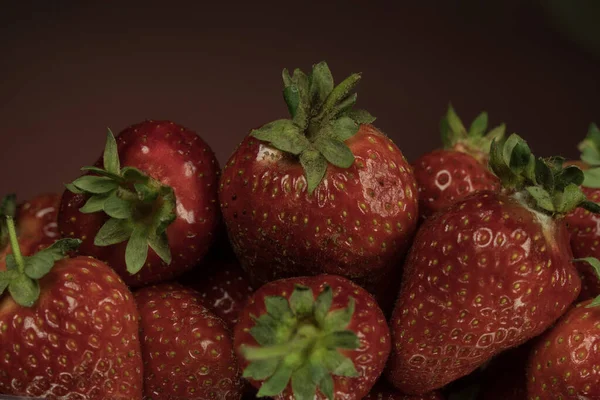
318, 264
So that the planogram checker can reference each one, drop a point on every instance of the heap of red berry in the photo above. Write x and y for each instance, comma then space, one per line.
155, 276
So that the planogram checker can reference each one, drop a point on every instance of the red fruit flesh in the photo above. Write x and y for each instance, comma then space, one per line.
358, 223
79, 341
174, 156
585, 242
368, 322
485, 275
382, 391
565, 362
36, 225
447, 176
187, 350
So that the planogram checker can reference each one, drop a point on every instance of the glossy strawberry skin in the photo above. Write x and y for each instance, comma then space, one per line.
177, 157
36, 225
585, 242
187, 350
368, 322
447, 176
382, 391
80, 339
565, 362
483, 276
358, 223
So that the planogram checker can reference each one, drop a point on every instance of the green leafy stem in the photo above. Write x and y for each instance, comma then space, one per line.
299, 342
476, 140
322, 120
550, 187
22, 273
139, 207
590, 155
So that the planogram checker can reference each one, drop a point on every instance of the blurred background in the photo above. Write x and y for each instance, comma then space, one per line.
70, 69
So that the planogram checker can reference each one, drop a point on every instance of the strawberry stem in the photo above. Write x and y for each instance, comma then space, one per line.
140, 208
299, 340
14, 243
322, 120
22, 274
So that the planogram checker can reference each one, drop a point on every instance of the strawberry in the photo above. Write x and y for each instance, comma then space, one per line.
447, 175
488, 273
156, 217
224, 292
565, 362
382, 391
311, 338
323, 192
187, 350
583, 225
68, 327
36, 226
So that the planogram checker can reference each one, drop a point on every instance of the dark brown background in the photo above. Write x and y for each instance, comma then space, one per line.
68, 70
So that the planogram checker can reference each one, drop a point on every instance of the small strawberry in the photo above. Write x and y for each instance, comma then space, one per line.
489, 273
35, 224
323, 192
187, 350
565, 361
383, 391
156, 217
312, 338
460, 168
583, 225
68, 326
224, 291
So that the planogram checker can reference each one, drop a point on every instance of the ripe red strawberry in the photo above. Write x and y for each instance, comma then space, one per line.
311, 338
447, 175
383, 391
224, 292
36, 226
187, 350
488, 273
156, 217
68, 327
324, 192
565, 362
583, 225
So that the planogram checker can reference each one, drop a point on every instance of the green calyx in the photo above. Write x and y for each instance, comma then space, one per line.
299, 342
545, 183
595, 264
476, 141
590, 154
322, 120
22, 274
8, 206
140, 208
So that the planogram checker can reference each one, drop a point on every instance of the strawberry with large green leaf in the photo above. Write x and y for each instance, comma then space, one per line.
312, 338
488, 273
584, 225
322, 192
68, 326
149, 205
445, 176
